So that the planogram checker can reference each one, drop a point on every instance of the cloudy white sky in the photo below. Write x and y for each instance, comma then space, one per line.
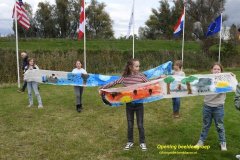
119, 11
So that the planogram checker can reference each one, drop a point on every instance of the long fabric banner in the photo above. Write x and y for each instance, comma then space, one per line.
68, 78
170, 87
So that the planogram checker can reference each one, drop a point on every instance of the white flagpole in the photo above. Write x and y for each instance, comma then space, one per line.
16, 32
133, 27
85, 56
183, 36
220, 42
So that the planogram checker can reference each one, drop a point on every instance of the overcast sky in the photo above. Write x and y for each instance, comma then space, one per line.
119, 11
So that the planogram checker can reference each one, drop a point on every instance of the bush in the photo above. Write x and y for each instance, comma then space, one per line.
102, 61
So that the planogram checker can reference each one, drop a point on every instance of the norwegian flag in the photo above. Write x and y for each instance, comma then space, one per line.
22, 16
81, 21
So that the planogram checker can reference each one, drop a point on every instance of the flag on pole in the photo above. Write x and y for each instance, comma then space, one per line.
22, 17
81, 21
130, 22
215, 26
179, 26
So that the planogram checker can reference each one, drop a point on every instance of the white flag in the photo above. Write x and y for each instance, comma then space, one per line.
130, 22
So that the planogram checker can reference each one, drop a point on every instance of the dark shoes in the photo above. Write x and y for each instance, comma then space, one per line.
20, 91
176, 115
79, 107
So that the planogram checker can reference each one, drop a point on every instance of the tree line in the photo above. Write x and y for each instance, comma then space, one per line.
61, 20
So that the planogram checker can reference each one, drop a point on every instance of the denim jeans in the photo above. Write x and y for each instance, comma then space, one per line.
34, 86
176, 104
217, 114
139, 110
78, 93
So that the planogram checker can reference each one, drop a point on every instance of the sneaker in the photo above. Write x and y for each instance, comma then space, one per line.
223, 146
176, 115
143, 146
238, 156
81, 107
78, 107
199, 144
40, 106
30, 105
128, 146
20, 90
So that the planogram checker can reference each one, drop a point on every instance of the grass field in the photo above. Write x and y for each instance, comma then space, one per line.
117, 45
99, 132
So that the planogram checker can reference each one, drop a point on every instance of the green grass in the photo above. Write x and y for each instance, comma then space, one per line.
117, 45
99, 132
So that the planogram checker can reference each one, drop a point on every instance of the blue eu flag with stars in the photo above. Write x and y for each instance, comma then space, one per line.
215, 26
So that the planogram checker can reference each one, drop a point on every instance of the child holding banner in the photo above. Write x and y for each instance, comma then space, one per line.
213, 109
131, 75
33, 85
78, 89
177, 67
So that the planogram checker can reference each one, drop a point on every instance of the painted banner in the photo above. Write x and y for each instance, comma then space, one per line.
170, 87
69, 78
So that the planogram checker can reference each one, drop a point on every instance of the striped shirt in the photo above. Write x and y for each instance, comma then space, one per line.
129, 80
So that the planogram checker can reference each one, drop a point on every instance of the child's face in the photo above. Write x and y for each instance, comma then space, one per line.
23, 55
176, 67
216, 69
31, 62
78, 65
135, 67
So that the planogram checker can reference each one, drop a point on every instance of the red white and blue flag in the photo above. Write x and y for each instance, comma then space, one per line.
81, 21
179, 26
21, 14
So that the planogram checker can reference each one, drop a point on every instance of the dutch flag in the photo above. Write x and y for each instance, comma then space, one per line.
179, 26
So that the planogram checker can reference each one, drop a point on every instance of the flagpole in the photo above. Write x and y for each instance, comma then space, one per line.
133, 28
16, 33
85, 57
220, 41
183, 35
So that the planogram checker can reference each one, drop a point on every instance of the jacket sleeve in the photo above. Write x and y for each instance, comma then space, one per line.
237, 97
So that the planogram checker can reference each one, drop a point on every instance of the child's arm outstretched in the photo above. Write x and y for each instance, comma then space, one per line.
119, 81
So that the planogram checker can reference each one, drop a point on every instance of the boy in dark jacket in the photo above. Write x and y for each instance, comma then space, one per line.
24, 64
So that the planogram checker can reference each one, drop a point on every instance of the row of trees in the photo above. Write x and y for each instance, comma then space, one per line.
62, 20
199, 14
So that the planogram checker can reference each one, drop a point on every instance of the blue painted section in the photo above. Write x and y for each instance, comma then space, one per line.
165, 68
100, 80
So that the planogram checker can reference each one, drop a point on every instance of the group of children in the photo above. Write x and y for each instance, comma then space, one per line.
213, 107
29, 64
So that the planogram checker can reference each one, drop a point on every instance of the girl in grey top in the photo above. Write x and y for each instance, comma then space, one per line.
213, 109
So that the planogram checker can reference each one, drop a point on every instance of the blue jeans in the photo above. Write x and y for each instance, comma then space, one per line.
217, 114
34, 86
176, 104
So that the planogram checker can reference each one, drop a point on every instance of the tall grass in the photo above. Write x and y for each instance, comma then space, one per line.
105, 57
118, 45
98, 61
